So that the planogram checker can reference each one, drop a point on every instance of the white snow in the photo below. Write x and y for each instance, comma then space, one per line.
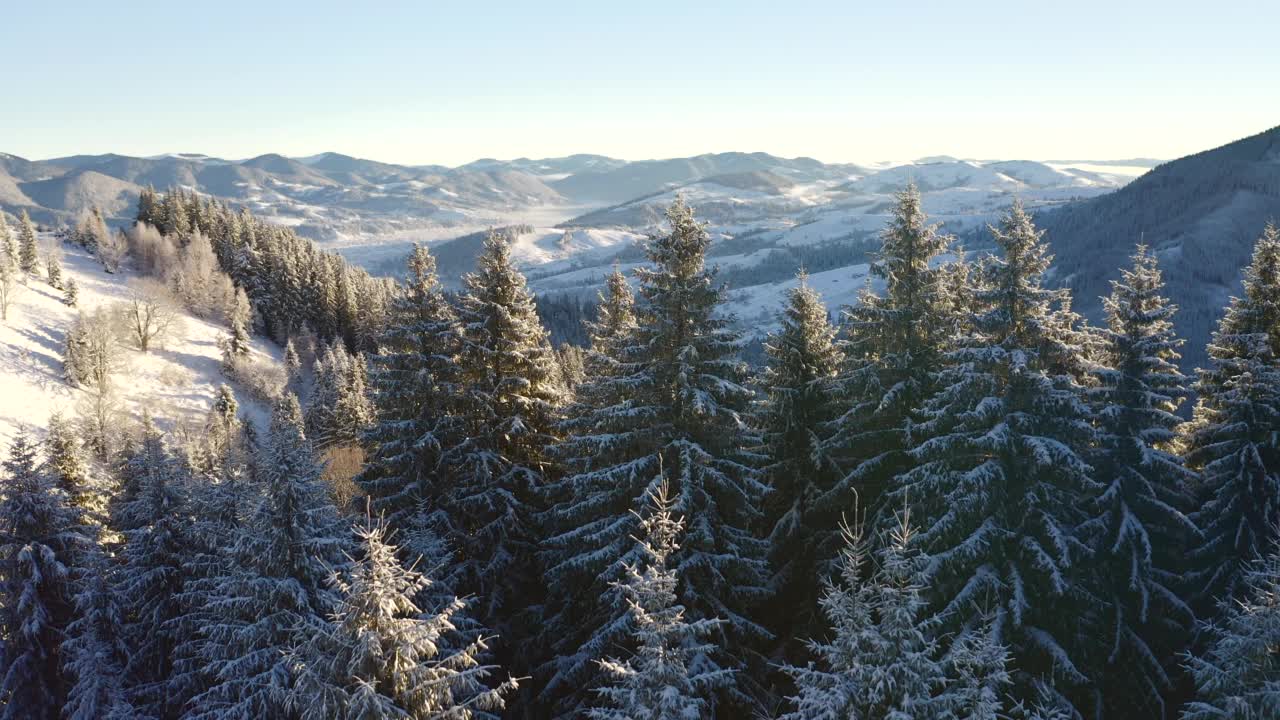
174, 383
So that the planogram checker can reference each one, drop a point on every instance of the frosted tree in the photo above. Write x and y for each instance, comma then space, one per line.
663, 679
276, 596
1232, 440
292, 367
8, 245
353, 413
28, 251
882, 661
95, 653
896, 346
92, 352
9, 287
67, 466
53, 265
385, 657
508, 406
1237, 675
799, 382
70, 293
1138, 531
40, 541
999, 485
677, 402
239, 318
150, 512
414, 382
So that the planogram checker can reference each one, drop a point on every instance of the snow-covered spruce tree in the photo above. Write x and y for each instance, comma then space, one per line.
28, 252
331, 375
41, 540
882, 661
604, 387
385, 658
663, 680
1232, 440
67, 466
220, 501
999, 484
677, 403
70, 293
292, 367
239, 318
1138, 531
95, 653
276, 594
799, 386
414, 383
353, 412
8, 245
896, 344
152, 516
508, 407
1237, 676
53, 266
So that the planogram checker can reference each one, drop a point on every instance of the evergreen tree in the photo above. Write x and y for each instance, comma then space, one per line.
677, 402
95, 653
1237, 676
1138, 532
508, 407
53, 269
238, 319
276, 596
330, 375
353, 413
799, 382
151, 514
40, 540
999, 484
881, 662
71, 293
67, 467
896, 346
8, 247
1232, 440
414, 382
292, 367
664, 679
384, 658
28, 253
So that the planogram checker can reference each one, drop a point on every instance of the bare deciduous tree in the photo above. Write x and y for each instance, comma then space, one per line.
111, 249
9, 286
150, 314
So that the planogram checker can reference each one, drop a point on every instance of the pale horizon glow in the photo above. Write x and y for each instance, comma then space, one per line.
413, 83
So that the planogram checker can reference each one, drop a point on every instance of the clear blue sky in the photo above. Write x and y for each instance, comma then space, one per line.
428, 82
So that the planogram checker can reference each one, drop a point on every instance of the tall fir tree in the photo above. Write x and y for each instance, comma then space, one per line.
8, 245
41, 540
1139, 532
28, 252
678, 402
387, 659
69, 469
415, 385
95, 653
896, 344
1232, 438
509, 409
799, 382
999, 483
663, 679
151, 514
277, 595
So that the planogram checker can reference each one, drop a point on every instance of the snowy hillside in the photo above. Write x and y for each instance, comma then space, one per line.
174, 383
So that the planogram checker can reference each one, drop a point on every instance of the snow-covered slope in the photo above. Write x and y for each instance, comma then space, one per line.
174, 383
